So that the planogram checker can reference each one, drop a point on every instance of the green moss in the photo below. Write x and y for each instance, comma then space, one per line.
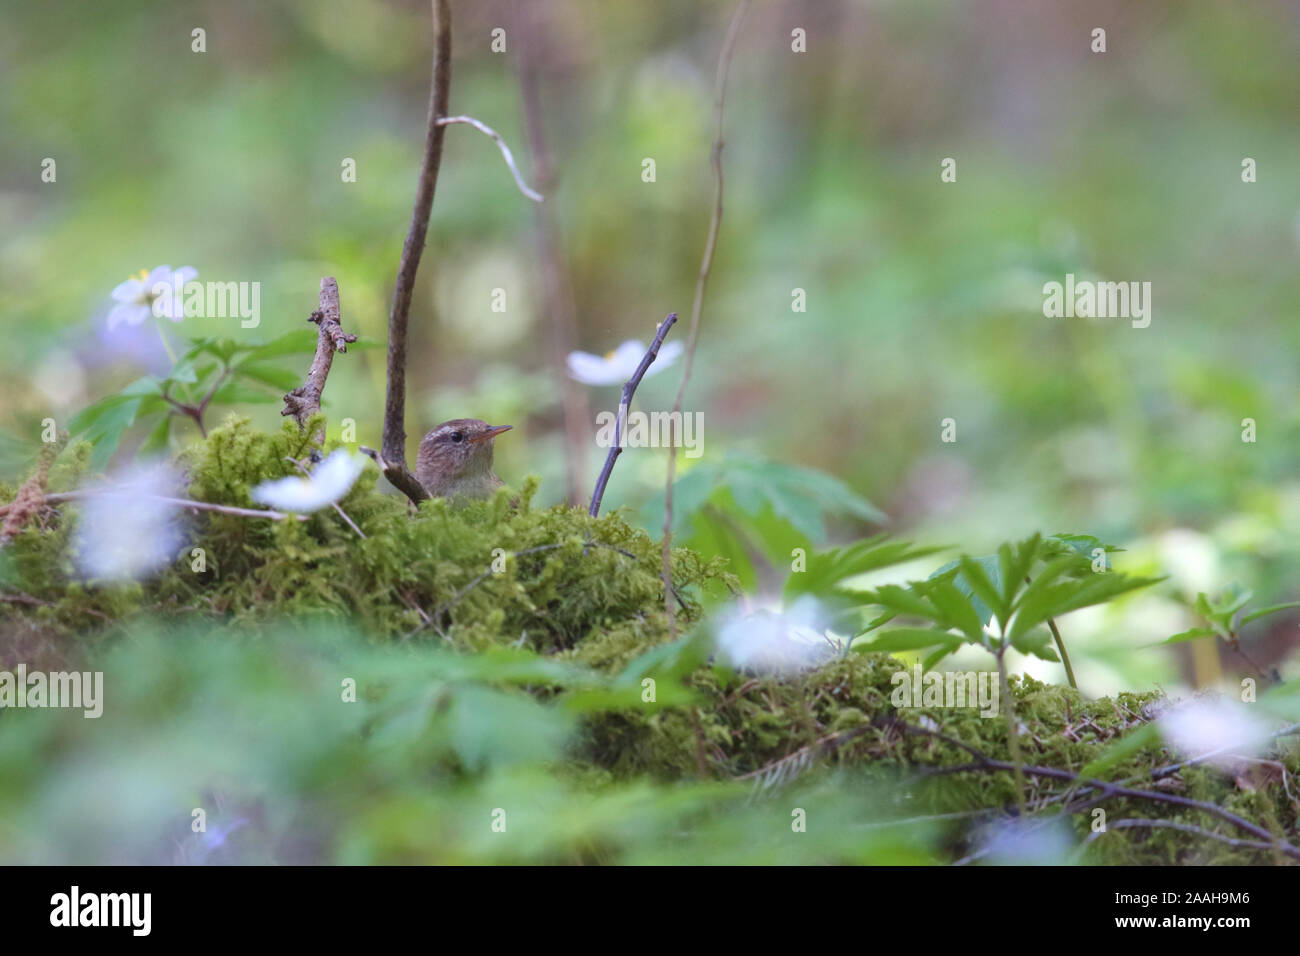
503, 573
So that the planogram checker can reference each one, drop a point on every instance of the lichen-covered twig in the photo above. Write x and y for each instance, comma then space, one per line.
304, 401
625, 403
706, 263
501, 144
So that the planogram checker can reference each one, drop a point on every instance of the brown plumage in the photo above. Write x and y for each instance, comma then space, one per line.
455, 459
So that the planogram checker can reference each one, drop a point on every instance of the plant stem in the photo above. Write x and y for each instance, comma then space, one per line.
166, 345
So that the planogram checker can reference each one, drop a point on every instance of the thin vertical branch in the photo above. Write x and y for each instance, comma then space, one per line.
706, 263
394, 438
560, 311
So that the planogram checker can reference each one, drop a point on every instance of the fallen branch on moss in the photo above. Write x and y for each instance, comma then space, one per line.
1105, 790
179, 502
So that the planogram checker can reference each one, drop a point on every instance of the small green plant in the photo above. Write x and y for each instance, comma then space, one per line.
1224, 619
999, 601
212, 372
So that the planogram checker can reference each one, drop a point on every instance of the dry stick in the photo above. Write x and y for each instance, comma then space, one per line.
181, 502
304, 401
710, 244
984, 762
393, 455
560, 310
1132, 823
624, 403
501, 144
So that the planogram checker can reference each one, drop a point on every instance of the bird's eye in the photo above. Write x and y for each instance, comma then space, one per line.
457, 436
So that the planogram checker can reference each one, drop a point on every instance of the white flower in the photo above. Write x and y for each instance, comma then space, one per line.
331, 480
617, 367
775, 642
126, 531
138, 296
1209, 724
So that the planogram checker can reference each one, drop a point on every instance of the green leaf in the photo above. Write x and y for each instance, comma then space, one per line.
1037, 644
982, 577
233, 393
956, 608
1194, 634
297, 342
1120, 749
1055, 600
827, 570
159, 438
903, 601
1271, 609
278, 378
909, 639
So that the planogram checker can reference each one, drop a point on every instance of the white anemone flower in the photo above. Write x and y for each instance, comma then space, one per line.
328, 483
1214, 725
616, 367
126, 531
780, 642
138, 296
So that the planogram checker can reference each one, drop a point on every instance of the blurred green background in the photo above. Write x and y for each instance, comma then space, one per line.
923, 298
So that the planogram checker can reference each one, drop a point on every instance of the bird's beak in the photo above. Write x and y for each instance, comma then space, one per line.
492, 431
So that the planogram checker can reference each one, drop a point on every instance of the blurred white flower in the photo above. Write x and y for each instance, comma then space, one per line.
616, 367
1027, 843
125, 531
137, 296
331, 480
781, 642
1209, 724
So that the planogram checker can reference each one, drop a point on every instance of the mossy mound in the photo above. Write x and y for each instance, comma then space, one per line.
474, 575
555, 581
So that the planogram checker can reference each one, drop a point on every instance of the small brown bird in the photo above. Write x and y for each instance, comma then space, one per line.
455, 459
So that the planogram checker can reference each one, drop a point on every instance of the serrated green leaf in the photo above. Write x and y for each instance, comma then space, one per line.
279, 378
1190, 635
1271, 609
908, 639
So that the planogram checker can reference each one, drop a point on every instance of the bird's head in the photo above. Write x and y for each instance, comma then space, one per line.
456, 451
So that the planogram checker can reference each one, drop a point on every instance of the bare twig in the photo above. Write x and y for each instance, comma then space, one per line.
1105, 788
304, 401
706, 263
394, 439
501, 143
624, 403
179, 502
1133, 823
